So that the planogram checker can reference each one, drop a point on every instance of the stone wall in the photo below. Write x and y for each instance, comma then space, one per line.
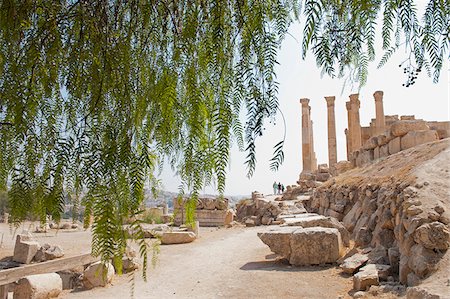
401, 135
209, 211
399, 215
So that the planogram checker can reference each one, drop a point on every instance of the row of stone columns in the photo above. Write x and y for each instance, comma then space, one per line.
353, 132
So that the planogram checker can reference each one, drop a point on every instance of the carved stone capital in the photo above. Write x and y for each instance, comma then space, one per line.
330, 101
304, 101
378, 95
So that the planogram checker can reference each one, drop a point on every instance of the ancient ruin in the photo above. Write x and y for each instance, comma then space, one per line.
382, 214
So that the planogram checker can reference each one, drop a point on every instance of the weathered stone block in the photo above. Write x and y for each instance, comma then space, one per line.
354, 263
384, 151
40, 286
321, 221
323, 168
422, 261
400, 128
364, 158
177, 237
25, 248
315, 245
414, 138
394, 146
278, 240
376, 153
371, 143
433, 235
98, 274
365, 278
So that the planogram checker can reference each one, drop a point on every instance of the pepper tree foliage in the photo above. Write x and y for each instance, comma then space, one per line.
95, 95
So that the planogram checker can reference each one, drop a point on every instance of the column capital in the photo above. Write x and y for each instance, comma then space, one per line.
330, 101
348, 105
304, 101
378, 95
354, 97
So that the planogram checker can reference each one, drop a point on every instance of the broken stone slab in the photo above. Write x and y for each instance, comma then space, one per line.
365, 278
315, 245
354, 263
315, 220
177, 237
38, 286
98, 275
278, 240
25, 248
384, 271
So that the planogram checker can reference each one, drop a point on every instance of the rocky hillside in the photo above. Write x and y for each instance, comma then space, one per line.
401, 206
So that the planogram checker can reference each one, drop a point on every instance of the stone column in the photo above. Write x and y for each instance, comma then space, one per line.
313, 152
349, 130
306, 135
332, 151
380, 122
356, 134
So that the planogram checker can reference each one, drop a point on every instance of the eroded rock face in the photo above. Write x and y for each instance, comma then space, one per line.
305, 246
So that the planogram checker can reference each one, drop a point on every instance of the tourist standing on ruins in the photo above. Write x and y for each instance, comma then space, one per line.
275, 187
279, 188
282, 188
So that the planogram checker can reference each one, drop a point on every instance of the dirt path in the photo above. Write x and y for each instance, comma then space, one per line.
226, 263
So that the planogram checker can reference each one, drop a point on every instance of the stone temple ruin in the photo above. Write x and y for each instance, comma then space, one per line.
386, 135
383, 214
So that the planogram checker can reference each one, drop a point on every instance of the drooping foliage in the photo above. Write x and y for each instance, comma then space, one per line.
342, 35
95, 95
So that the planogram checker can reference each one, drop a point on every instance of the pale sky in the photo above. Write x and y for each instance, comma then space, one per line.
301, 79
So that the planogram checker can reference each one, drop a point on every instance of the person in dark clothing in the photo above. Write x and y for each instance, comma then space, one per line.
282, 188
279, 188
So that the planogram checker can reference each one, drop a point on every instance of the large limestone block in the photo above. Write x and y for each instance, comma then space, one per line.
315, 245
177, 237
98, 275
40, 286
278, 240
352, 216
321, 221
414, 138
422, 261
354, 263
25, 248
435, 235
400, 128
394, 146
365, 278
